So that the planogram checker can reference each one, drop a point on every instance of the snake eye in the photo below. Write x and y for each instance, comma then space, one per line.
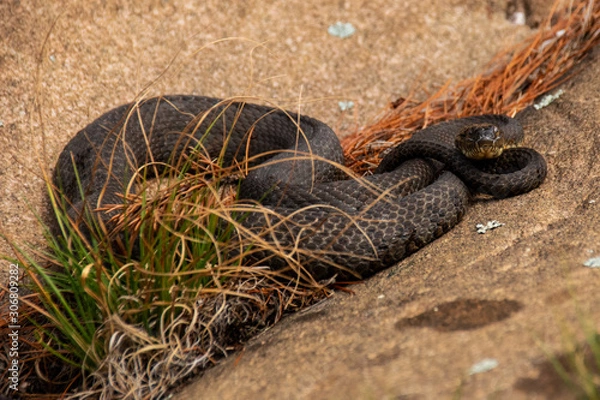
488, 132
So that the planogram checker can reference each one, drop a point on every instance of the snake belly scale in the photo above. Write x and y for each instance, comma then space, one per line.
361, 225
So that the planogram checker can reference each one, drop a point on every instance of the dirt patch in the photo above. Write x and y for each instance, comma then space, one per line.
461, 315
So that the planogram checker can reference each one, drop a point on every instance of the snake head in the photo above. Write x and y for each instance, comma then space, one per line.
481, 141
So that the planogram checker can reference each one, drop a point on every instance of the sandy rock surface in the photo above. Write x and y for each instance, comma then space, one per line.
413, 331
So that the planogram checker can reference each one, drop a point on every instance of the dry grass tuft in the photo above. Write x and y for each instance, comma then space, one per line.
219, 303
516, 77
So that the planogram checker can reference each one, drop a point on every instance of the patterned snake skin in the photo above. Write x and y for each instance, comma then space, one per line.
334, 225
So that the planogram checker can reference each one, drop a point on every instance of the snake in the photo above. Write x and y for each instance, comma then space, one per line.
332, 224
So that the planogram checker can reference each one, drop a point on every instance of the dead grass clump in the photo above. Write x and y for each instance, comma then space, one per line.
194, 271
142, 365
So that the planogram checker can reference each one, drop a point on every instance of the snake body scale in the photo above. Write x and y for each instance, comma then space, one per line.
361, 225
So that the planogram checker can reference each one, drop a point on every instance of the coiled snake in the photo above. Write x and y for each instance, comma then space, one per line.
361, 225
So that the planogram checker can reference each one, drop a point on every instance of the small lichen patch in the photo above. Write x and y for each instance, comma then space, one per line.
481, 228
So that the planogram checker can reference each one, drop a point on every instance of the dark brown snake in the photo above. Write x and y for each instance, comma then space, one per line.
362, 225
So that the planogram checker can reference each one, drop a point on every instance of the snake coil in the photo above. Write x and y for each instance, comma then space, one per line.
354, 227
